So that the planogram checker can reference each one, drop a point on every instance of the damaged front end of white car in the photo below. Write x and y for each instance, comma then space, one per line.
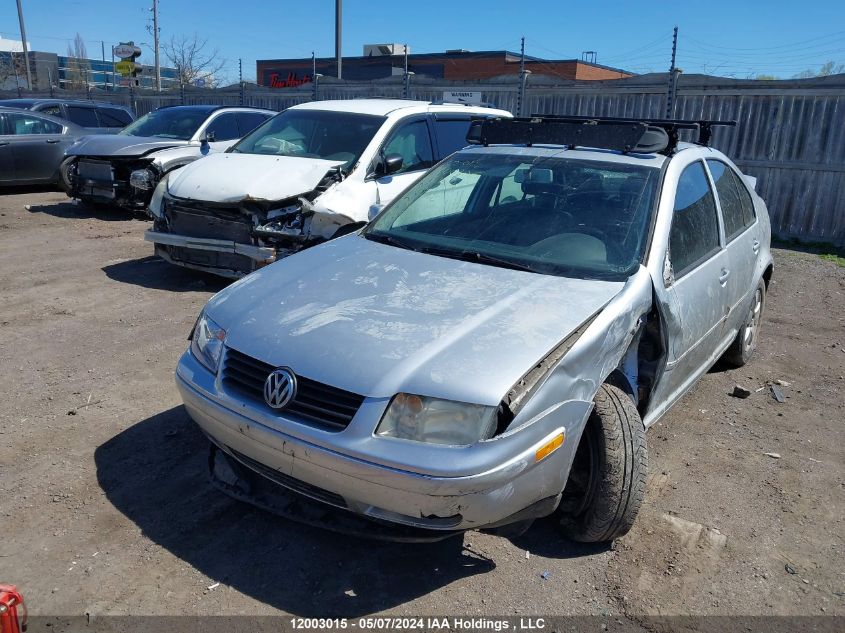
235, 233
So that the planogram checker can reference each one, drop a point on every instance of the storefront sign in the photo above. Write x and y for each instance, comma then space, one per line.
291, 81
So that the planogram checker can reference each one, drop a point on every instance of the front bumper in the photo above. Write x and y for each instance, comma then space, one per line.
202, 253
487, 498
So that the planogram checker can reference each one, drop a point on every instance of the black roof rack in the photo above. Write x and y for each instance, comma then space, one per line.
619, 134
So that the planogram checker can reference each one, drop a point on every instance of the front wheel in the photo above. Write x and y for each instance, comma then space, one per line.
743, 346
606, 483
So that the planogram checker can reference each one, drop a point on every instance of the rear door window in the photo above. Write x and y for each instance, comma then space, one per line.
694, 236
735, 210
86, 117
248, 121
451, 135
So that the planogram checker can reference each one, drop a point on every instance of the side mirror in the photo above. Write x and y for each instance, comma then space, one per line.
375, 209
391, 164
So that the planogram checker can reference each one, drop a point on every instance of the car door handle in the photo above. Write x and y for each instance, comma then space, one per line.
724, 276
755, 246
53, 140
2, 143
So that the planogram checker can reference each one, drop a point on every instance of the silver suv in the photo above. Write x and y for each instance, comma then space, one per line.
493, 346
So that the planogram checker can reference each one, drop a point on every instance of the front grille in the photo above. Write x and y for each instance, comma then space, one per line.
289, 482
315, 403
211, 259
224, 224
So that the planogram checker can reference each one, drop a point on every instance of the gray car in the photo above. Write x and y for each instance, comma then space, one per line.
492, 347
32, 146
95, 117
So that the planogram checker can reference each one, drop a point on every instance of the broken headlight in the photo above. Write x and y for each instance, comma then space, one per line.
207, 343
435, 421
143, 179
291, 225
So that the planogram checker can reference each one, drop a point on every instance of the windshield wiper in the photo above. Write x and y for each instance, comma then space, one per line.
476, 256
384, 238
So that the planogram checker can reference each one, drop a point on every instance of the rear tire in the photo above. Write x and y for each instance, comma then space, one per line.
606, 483
743, 346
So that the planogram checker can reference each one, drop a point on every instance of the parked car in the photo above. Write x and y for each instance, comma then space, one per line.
123, 169
303, 177
32, 146
95, 117
492, 347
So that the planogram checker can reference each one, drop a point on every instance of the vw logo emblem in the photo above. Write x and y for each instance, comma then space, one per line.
279, 388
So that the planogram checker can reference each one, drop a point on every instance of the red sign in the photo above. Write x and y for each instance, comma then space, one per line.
292, 81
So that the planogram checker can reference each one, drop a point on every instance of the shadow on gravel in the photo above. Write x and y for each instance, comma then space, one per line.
17, 190
72, 210
155, 473
153, 272
546, 539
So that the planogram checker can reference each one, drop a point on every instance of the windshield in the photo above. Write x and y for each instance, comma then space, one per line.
340, 136
178, 123
557, 215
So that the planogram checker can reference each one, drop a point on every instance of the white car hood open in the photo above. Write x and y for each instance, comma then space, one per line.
232, 177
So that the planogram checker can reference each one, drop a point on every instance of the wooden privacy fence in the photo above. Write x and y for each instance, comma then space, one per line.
790, 134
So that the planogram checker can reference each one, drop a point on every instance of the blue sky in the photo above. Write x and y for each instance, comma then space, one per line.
737, 38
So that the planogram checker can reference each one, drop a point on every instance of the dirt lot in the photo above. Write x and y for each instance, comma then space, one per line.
105, 507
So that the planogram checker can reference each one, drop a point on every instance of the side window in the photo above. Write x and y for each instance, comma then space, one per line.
412, 143
55, 110
729, 198
113, 117
695, 228
224, 127
451, 136
248, 121
28, 124
749, 216
86, 117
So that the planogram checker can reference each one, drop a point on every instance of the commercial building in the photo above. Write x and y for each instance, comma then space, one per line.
386, 60
60, 71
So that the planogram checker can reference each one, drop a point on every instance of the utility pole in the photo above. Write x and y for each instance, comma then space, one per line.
103, 53
241, 77
338, 31
407, 88
523, 77
155, 45
670, 93
313, 77
25, 48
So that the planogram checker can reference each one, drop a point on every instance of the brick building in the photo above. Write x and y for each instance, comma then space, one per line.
451, 65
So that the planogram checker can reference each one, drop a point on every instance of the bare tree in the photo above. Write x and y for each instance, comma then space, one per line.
78, 70
12, 71
830, 68
193, 60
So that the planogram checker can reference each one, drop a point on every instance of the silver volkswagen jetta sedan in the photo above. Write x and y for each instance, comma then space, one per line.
493, 346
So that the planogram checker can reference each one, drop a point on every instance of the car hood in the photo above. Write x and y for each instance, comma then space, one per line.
121, 145
376, 320
231, 177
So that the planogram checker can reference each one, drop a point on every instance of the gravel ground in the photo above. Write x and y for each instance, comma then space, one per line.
105, 507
